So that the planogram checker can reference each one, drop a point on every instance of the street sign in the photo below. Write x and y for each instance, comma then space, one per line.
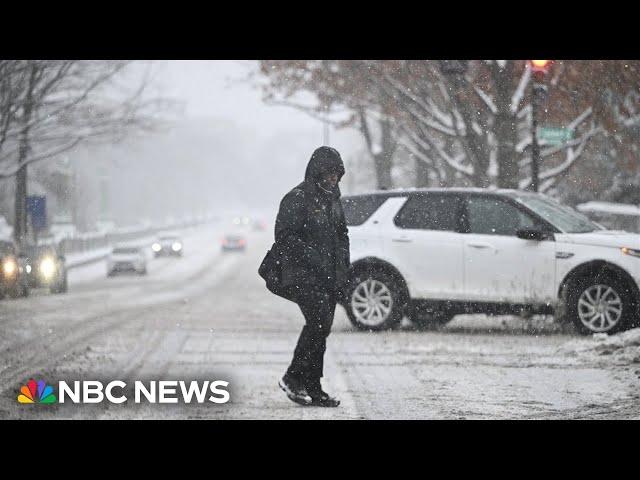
555, 136
37, 210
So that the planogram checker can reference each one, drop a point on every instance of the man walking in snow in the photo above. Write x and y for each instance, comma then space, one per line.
312, 234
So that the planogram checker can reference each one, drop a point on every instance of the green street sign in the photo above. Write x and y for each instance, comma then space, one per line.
555, 136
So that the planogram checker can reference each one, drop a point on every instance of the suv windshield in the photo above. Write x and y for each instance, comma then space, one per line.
566, 219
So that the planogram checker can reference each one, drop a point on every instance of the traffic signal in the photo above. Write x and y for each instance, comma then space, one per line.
540, 65
539, 68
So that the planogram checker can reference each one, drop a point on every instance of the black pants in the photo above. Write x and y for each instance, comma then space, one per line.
318, 307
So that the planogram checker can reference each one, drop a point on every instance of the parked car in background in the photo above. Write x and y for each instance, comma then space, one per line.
46, 268
13, 271
234, 242
127, 258
434, 253
168, 244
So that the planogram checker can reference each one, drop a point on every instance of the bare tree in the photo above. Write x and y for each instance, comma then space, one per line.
50, 106
479, 124
473, 128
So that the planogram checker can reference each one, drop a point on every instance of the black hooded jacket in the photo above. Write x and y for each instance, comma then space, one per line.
311, 229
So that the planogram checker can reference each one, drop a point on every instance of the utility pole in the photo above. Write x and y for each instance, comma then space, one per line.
535, 147
325, 124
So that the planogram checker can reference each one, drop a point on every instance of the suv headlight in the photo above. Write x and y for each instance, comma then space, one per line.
156, 247
631, 251
47, 267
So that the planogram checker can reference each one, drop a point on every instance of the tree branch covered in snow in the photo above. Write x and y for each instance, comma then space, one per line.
476, 124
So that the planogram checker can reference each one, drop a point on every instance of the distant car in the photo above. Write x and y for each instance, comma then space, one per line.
171, 245
259, 225
241, 221
46, 268
13, 271
124, 258
233, 242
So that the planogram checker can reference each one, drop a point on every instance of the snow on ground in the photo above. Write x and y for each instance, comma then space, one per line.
620, 349
209, 316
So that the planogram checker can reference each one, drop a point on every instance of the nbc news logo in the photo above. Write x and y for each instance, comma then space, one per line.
93, 391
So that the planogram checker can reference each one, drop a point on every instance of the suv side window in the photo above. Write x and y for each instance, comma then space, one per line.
429, 212
494, 216
358, 209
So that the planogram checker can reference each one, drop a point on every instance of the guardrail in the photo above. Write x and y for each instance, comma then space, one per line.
86, 242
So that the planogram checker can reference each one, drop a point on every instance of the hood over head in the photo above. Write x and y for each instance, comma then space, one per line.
324, 160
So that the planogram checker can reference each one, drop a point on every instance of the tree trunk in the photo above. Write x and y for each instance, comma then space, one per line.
422, 173
382, 160
505, 128
383, 171
471, 143
20, 224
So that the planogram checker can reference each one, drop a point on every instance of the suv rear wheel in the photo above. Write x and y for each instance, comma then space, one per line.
374, 301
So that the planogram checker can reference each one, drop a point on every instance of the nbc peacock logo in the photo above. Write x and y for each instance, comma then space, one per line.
36, 392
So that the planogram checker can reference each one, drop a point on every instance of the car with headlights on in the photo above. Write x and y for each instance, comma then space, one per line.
13, 271
259, 225
125, 258
168, 245
234, 242
46, 268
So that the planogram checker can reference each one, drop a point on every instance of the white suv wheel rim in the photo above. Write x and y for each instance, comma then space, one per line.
371, 302
599, 308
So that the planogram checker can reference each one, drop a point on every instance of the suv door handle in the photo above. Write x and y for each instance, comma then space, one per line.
402, 240
479, 245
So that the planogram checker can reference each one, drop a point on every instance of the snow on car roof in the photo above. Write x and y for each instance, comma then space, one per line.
610, 207
402, 191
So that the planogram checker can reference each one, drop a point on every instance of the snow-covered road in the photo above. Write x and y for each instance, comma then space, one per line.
208, 316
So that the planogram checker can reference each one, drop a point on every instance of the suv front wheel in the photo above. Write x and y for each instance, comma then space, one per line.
374, 301
600, 305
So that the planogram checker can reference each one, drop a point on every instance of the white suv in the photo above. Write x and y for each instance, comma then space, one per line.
124, 258
435, 253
